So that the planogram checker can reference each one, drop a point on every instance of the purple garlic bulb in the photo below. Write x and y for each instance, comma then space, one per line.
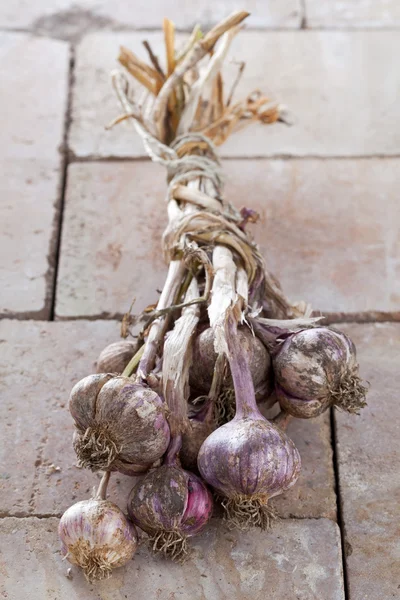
249, 461
118, 423
315, 369
170, 505
96, 536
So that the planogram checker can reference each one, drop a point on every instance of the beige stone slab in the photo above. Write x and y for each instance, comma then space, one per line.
369, 456
353, 13
297, 560
33, 103
331, 82
314, 493
114, 216
40, 362
329, 229
67, 18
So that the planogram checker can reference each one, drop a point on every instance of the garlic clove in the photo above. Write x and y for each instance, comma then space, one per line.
82, 400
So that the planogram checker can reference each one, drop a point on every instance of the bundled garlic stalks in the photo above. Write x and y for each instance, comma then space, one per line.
182, 405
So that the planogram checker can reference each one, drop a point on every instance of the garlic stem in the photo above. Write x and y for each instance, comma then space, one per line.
238, 357
133, 363
101, 493
176, 271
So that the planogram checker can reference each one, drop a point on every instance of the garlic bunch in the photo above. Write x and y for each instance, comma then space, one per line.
96, 535
120, 425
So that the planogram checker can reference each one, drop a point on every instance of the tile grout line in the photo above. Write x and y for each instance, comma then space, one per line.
339, 506
63, 183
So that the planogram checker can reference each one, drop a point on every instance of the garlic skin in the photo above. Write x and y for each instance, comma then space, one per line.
115, 357
314, 369
204, 358
170, 505
96, 536
125, 424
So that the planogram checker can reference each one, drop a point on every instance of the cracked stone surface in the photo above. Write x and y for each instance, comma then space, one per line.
369, 457
40, 362
297, 560
331, 82
30, 169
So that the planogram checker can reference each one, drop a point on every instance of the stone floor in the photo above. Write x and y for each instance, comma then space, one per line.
81, 214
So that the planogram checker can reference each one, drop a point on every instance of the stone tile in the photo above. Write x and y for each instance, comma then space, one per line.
331, 82
327, 228
353, 13
30, 169
37, 383
297, 560
114, 217
369, 456
313, 496
66, 18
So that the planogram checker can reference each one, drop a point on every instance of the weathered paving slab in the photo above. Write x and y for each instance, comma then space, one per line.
40, 362
314, 493
297, 560
353, 13
34, 95
326, 228
321, 228
369, 477
66, 18
114, 216
330, 80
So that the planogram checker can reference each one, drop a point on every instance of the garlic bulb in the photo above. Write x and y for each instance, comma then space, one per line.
170, 505
248, 460
118, 423
316, 368
204, 364
115, 357
96, 536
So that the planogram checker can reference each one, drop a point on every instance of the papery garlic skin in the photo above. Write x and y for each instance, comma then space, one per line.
125, 423
314, 369
96, 536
